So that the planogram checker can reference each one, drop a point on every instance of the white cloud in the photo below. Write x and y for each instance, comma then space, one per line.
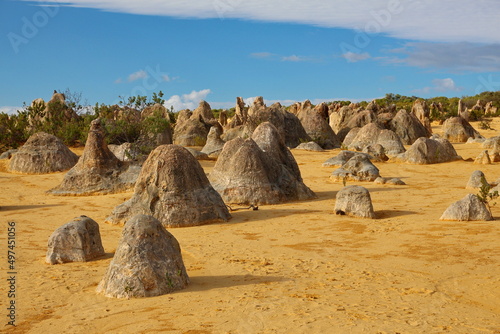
10, 110
456, 57
423, 20
166, 78
187, 101
353, 57
293, 58
118, 81
137, 75
262, 55
440, 85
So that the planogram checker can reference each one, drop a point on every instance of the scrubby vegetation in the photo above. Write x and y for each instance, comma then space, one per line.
70, 120
126, 122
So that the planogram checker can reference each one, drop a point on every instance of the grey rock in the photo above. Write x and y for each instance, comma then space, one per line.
98, 171
8, 154
310, 146
259, 170
124, 152
372, 134
315, 123
214, 143
483, 158
198, 154
429, 151
341, 158
458, 130
350, 136
43, 153
491, 143
147, 262
173, 188
408, 127
76, 241
354, 201
358, 168
468, 208
475, 180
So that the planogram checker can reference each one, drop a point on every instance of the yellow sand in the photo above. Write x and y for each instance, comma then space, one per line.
291, 268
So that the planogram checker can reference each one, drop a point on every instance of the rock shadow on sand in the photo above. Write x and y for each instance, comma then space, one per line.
384, 214
25, 207
205, 283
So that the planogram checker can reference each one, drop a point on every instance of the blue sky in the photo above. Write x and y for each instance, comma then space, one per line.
217, 50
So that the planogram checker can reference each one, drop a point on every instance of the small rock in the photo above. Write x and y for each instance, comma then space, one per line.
354, 201
468, 208
76, 241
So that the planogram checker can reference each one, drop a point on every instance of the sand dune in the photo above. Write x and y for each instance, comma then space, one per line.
290, 268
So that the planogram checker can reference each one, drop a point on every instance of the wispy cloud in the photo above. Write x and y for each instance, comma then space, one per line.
294, 58
455, 57
262, 55
187, 101
440, 86
353, 57
137, 75
422, 20
290, 58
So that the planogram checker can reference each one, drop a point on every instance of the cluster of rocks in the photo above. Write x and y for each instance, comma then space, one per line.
429, 151
173, 188
98, 171
41, 154
258, 170
147, 262
357, 166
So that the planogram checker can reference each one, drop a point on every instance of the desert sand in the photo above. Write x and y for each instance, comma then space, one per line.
289, 268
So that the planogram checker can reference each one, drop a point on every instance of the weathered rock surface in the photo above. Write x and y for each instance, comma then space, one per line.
259, 170
214, 143
393, 181
354, 201
98, 171
358, 168
124, 152
408, 127
422, 112
192, 128
483, 158
342, 158
468, 208
173, 188
316, 125
429, 151
147, 262
197, 154
458, 130
41, 154
371, 134
492, 143
310, 146
8, 154
76, 241
475, 180
377, 152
